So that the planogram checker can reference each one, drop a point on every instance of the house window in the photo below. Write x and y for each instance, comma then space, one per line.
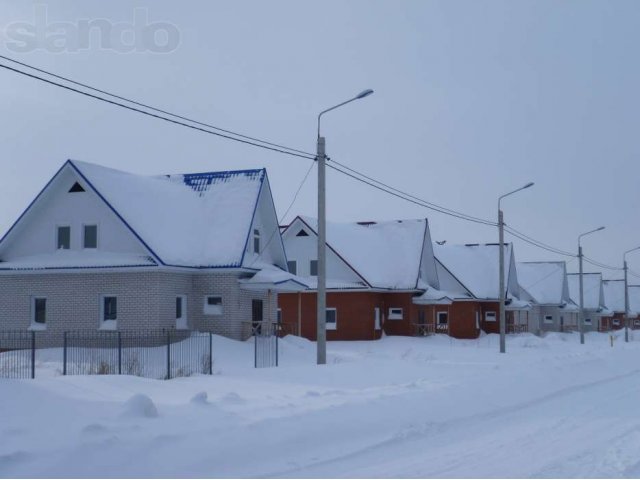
313, 268
109, 308
213, 305
38, 312
279, 315
292, 266
181, 311
489, 316
395, 314
332, 319
256, 241
90, 236
442, 317
548, 319
587, 321
616, 322
63, 238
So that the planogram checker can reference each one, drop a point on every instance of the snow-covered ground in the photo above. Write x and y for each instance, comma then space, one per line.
398, 407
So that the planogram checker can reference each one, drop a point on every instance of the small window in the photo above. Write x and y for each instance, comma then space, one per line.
279, 315
109, 309
39, 311
442, 317
395, 314
292, 266
548, 319
616, 321
489, 316
587, 321
313, 268
75, 188
256, 241
90, 236
302, 233
213, 305
63, 240
332, 319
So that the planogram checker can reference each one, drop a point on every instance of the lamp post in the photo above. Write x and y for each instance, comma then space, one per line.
321, 332
581, 314
501, 291
626, 294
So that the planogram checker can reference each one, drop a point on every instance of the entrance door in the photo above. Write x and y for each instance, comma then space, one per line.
376, 318
256, 315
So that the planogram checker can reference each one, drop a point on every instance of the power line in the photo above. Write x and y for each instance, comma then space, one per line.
160, 117
601, 265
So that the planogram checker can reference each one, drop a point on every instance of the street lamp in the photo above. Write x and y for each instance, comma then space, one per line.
626, 294
581, 315
322, 237
501, 292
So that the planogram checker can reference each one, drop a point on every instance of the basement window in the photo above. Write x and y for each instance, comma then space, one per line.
395, 314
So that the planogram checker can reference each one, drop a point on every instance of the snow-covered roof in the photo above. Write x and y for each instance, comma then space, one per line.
62, 259
273, 278
614, 295
545, 282
592, 290
196, 220
385, 254
475, 266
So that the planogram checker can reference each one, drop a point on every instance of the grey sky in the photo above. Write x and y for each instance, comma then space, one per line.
472, 99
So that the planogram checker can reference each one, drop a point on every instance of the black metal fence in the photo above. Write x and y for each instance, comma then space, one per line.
159, 355
17, 354
265, 337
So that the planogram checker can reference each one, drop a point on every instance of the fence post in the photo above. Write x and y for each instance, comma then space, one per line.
276, 348
255, 348
119, 352
33, 354
64, 353
168, 355
210, 353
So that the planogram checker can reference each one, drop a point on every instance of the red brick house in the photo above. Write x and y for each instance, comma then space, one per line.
374, 271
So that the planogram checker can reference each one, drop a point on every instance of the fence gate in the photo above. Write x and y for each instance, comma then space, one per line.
265, 337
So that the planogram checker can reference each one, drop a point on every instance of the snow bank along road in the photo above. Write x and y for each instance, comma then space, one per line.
399, 407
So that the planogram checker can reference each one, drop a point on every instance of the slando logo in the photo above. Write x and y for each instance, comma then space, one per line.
123, 37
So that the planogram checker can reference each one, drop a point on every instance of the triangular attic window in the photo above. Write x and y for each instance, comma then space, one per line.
76, 188
302, 233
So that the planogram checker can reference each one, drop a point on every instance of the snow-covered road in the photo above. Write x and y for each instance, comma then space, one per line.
400, 407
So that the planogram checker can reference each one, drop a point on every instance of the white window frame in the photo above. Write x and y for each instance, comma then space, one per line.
213, 309
108, 324
587, 321
57, 235
438, 314
33, 325
489, 314
256, 241
333, 325
395, 313
295, 266
548, 319
82, 233
182, 322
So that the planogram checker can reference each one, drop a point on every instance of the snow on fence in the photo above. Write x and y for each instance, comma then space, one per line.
159, 355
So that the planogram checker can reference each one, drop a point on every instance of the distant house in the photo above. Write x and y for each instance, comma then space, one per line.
593, 294
108, 250
469, 276
374, 271
615, 302
545, 286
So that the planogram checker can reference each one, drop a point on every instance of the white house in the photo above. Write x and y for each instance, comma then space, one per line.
545, 286
593, 294
104, 249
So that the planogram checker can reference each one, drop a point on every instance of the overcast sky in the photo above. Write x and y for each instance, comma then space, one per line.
472, 99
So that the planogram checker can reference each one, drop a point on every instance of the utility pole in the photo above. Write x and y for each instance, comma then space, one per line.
626, 294
581, 315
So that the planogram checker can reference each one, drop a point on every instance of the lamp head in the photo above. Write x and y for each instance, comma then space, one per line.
364, 93
530, 184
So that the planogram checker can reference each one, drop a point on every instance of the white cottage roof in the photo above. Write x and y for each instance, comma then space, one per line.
614, 295
386, 254
543, 281
592, 290
475, 266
